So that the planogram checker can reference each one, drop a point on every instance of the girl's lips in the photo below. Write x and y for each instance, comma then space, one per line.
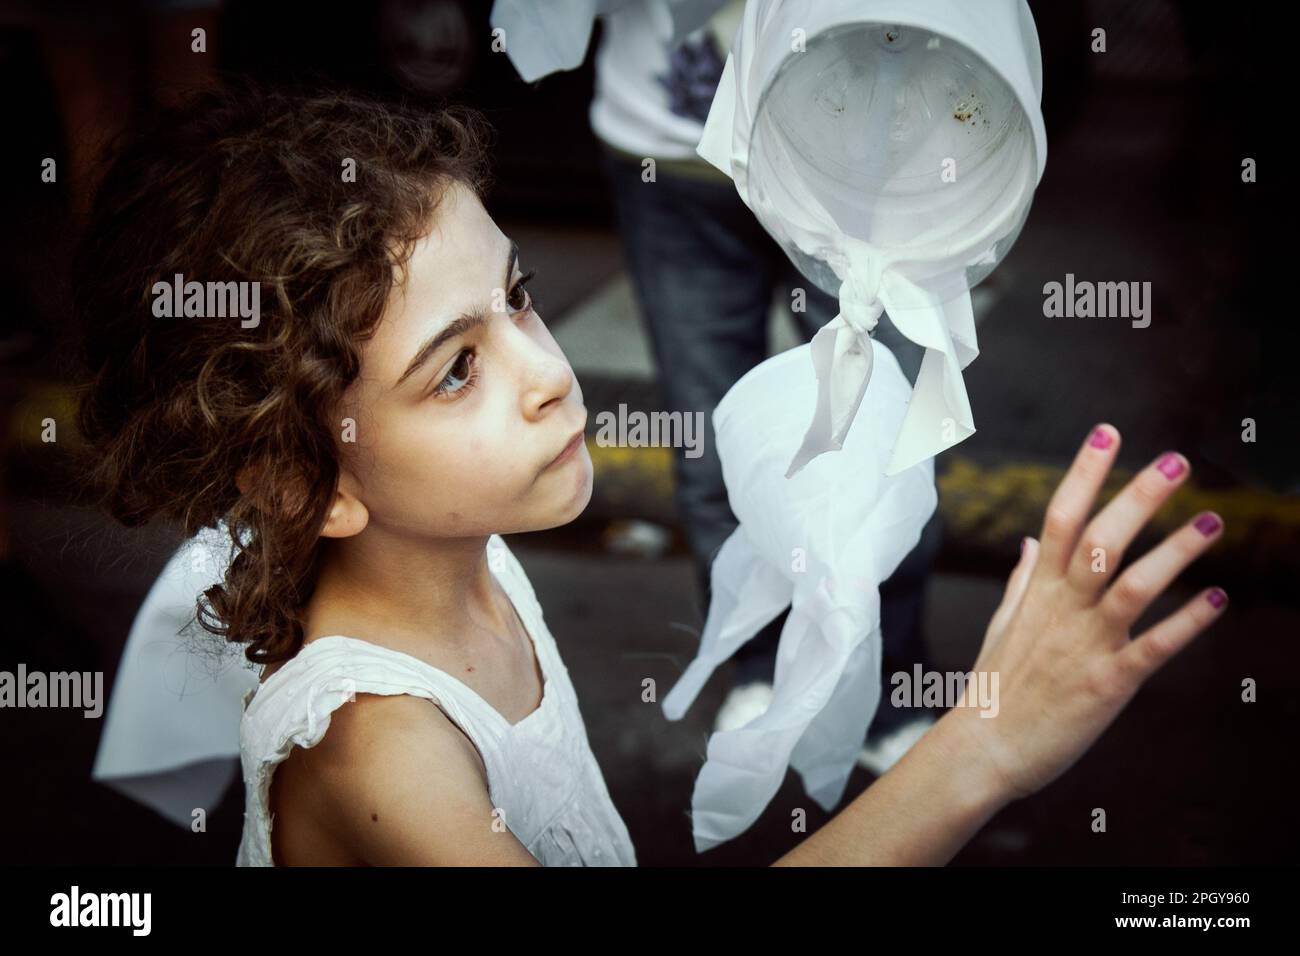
568, 449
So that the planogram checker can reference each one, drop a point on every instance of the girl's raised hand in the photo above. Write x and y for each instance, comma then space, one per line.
1060, 640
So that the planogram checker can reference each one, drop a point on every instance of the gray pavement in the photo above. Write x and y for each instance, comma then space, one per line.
1188, 774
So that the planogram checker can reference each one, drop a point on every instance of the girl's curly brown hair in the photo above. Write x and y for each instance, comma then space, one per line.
247, 184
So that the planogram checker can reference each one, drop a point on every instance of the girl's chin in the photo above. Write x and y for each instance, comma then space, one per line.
570, 502
584, 484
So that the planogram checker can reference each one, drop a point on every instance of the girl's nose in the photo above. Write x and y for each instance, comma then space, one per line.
545, 374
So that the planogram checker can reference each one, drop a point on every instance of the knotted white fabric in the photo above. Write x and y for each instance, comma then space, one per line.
892, 148
820, 542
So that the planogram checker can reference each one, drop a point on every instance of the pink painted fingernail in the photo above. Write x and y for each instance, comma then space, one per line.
1022, 545
1207, 523
1100, 438
1217, 596
1171, 465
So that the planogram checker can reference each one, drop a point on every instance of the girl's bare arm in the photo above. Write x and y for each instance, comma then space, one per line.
920, 813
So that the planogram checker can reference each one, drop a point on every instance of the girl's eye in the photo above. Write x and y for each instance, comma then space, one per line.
460, 378
519, 299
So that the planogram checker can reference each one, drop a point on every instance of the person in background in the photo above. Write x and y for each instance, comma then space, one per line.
705, 274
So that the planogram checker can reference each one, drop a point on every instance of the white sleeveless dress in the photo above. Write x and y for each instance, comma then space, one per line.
542, 775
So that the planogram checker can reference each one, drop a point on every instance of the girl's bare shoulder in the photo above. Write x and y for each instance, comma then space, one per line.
396, 782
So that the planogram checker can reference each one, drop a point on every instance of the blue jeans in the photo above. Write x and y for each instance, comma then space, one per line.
705, 272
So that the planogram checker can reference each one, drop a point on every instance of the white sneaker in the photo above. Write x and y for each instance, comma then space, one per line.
742, 705
877, 756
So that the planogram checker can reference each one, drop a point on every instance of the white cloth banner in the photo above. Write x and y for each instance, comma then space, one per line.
820, 542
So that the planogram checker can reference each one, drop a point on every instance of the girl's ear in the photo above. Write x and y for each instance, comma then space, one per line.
348, 516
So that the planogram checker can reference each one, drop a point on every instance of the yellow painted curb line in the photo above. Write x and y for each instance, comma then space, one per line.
999, 503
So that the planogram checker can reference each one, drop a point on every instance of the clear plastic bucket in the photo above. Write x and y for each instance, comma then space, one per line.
907, 141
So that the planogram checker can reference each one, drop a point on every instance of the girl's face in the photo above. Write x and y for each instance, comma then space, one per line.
468, 419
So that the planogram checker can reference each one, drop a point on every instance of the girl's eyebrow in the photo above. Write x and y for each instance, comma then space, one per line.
458, 326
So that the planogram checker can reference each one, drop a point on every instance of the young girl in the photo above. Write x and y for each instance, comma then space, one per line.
395, 407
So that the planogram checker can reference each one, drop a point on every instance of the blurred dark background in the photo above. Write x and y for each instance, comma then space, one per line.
1143, 182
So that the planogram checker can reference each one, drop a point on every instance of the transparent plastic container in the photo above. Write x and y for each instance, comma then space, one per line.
908, 141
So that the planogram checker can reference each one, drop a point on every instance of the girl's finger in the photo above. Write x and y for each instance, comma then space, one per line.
1016, 585
1073, 498
1148, 652
1102, 545
1146, 579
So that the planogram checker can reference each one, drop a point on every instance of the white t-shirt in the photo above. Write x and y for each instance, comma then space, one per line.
652, 97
